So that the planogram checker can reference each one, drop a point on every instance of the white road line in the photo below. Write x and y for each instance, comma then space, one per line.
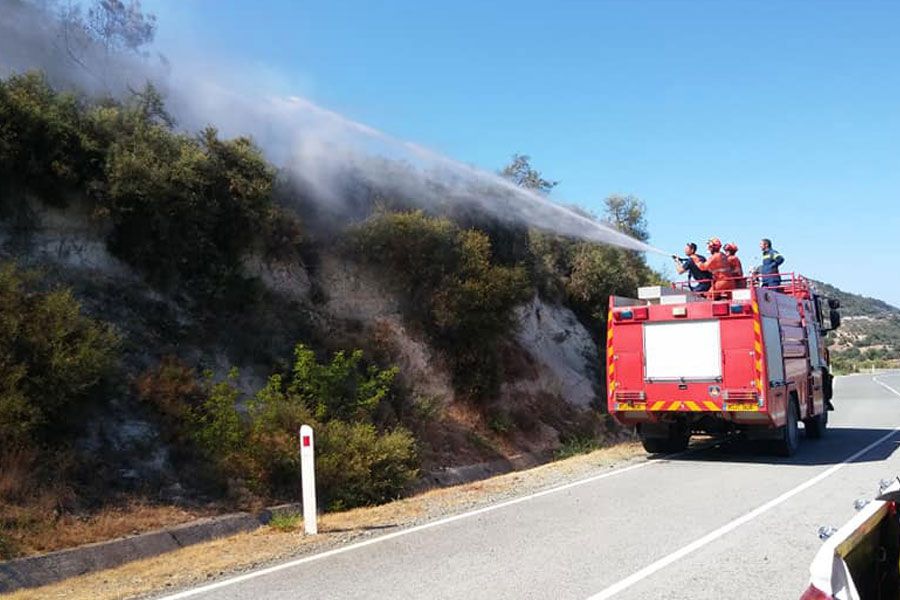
383, 538
652, 568
886, 386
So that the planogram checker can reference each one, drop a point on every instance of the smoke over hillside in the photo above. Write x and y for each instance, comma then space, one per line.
320, 148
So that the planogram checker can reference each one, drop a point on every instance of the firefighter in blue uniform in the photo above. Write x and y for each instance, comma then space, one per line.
771, 260
702, 277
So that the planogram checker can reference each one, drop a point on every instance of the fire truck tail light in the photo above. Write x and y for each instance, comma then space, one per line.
623, 315
641, 314
679, 311
720, 309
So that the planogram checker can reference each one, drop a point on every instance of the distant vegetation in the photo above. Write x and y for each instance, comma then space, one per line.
855, 305
869, 336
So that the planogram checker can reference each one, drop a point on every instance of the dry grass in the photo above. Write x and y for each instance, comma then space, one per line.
16, 468
38, 527
201, 563
116, 522
37, 516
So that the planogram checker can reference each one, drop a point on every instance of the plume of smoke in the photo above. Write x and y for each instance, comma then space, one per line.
321, 148
55, 38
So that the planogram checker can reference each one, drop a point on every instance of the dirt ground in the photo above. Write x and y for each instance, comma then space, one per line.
209, 561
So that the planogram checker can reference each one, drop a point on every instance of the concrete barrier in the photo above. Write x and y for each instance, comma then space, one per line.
466, 474
34, 571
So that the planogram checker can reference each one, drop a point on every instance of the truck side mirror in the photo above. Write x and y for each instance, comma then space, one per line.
835, 318
834, 304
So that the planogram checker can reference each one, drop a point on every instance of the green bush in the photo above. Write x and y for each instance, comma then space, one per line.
342, 388
600, 271
577, 445
185, 207
585, 274
217, 425
286, 521
181, 208
358, 466
356, 463
45, 138
453, 290
52, 359
419, 250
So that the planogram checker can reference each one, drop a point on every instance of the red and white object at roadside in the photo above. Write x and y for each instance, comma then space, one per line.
831, 577
308, 479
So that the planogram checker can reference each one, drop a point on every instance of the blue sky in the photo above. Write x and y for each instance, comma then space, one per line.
775, 118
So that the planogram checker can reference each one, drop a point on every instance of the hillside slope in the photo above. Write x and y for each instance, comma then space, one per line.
869, 335
220, 304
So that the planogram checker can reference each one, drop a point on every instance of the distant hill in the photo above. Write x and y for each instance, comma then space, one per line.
869, 335
854, 305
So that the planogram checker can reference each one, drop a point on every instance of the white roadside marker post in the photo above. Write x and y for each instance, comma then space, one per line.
308, 479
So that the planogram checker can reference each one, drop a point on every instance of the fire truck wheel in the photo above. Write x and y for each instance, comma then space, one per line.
677, 439
815, 426
789, 441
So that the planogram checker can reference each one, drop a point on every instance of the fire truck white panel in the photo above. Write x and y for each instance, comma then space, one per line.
688, 350
772, 340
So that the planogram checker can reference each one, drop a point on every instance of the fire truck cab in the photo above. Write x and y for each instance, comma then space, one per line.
751, 360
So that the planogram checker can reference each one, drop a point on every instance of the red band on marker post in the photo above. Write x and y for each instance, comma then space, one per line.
308, 479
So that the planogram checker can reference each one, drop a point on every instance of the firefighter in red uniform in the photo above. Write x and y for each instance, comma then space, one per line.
717, 264
737, 269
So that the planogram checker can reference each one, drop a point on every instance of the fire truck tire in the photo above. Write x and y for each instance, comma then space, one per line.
677, 440
815, 426
789, 434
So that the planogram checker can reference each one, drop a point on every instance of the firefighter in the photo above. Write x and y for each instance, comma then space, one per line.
718, 266
688, 265
771, 260
734, 263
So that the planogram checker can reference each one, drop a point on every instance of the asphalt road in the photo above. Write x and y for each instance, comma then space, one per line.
712, 523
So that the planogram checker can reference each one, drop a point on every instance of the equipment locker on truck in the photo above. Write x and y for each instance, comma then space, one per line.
751, 360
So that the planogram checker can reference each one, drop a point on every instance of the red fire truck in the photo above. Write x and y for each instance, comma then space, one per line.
751, 360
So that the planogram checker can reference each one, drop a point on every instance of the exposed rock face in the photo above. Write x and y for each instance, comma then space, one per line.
565, 354
550, 364
63, 237
420, 369
287, 278
353, 292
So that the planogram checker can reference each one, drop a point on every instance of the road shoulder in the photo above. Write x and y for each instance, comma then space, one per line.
207, 562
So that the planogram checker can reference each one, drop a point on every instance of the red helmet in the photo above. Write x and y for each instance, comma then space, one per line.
730, 248
714, 244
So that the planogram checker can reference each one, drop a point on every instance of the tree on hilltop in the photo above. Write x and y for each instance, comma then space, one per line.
520, 172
